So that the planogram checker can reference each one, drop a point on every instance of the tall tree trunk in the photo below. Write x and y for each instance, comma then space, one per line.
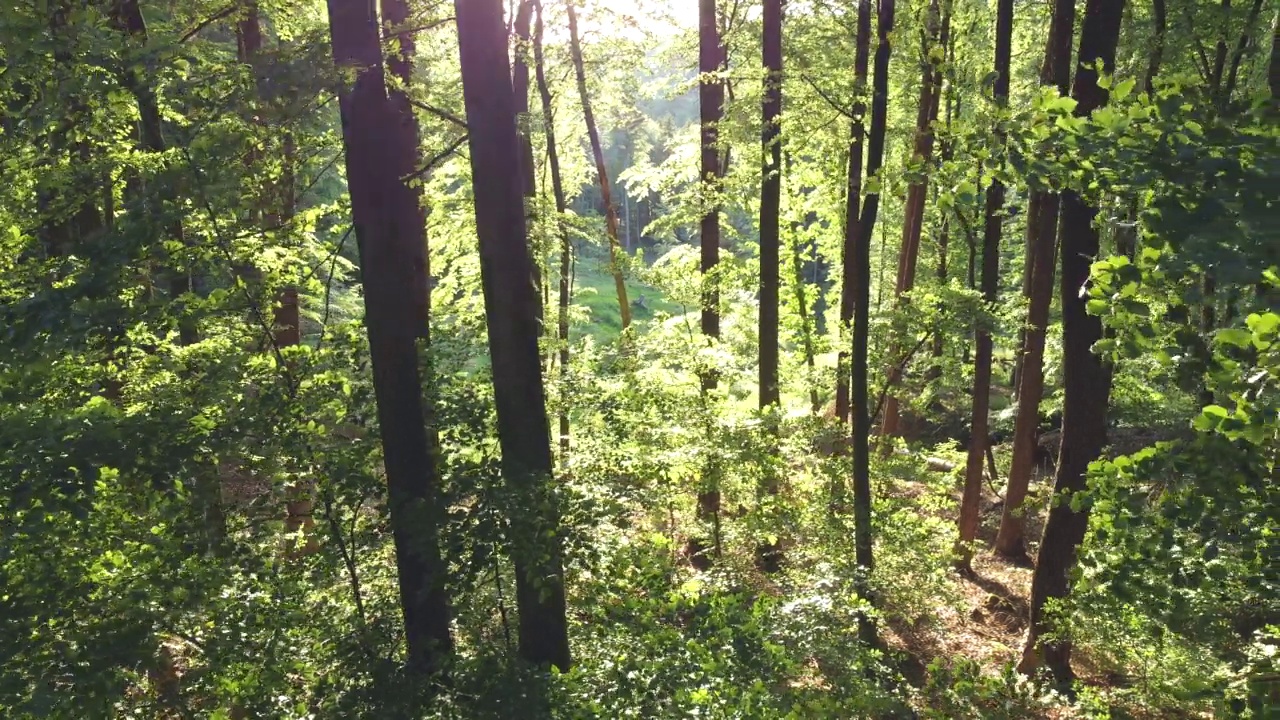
769, 554
979, 433
944, 234
602, 173
566, 249
853, 200
380, 204
711, 111
770, 202
511, 311
1042, 226
520, 91
861, 411
396, 24
913, 219
1087, 379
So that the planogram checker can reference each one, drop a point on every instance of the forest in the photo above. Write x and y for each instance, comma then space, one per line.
767, 359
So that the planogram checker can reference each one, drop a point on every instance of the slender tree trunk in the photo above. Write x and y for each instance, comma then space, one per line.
853, 201
861, 410
711, 107
944, 234
511, 311
770, 202
806, 325
1087, 379
566, 249
769, 555
913, 219
380, 204
1042, 226
979, 433
602, 173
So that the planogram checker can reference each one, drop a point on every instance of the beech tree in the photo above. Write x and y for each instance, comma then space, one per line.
849, 294
979, 432
1086, 376
922, 155
859, 392
385, 210
511, 313
602, 172
1042, 245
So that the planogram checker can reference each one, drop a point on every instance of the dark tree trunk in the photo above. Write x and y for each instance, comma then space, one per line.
917, 191
861, 410
396, 22
520, 91
1042, 226
566, 249
944, 234
853, 201
1157, 44
511, 311
770, 202
602, 173
769, 555
380, 202
711, 108
979, 433
1087, 379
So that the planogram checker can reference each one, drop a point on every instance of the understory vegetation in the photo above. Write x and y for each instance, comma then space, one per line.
655, 359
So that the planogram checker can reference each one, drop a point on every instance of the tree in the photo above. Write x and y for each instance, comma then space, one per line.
1042, 226
922, 155
380, 204
511, 312
769, 554
853, 199
979, 434
861, 409
770, 202
602, 173
566, 249
711, 111
1086, 377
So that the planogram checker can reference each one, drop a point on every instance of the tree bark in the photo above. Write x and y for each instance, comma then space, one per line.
566, 249
769, 554
979, 432
853, 201
1042, 226
711, 111
770, 203
861, 411
1087, 379
520, 90
917, 191
602, 173
380, 203
396, 24
511, 311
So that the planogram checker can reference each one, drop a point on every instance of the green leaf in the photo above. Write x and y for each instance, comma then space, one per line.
1234, 336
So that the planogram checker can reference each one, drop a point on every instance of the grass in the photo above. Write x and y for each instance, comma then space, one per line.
594, 291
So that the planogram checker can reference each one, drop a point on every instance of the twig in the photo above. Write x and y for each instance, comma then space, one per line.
896, 371
439, 158
207, 22
440, 113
